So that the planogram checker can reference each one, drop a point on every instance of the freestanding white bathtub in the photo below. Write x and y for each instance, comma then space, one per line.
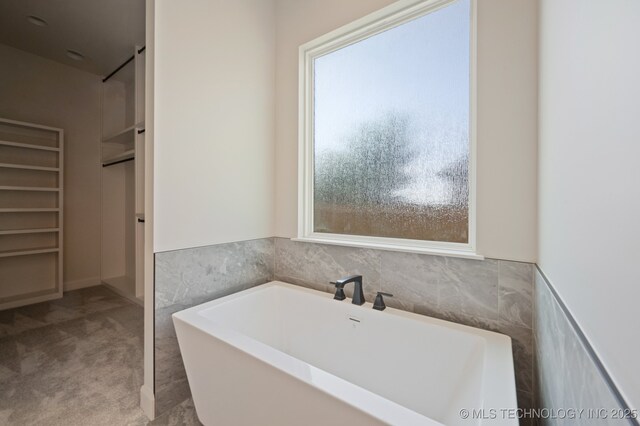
280, 355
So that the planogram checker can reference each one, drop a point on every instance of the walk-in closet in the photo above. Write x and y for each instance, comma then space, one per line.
72, 211
72, 142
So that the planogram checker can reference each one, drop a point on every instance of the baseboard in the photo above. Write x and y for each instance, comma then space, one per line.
78, 284
124, 294
147, 402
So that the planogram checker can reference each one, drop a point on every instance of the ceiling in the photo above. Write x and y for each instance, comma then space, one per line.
105, 32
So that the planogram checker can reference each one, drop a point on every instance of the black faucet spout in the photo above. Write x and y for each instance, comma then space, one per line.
358, 293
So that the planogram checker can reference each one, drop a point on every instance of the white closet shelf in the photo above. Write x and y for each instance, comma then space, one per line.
34, 276
28, 210
34, 296
120, 157
114, 137
28, 188
28, 252
26, 167
29, 231
29, 146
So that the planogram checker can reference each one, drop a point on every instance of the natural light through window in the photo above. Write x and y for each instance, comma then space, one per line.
390, 131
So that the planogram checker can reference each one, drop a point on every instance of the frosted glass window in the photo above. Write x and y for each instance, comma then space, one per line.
391, 132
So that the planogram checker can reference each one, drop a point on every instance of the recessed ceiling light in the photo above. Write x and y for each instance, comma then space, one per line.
37, 21
76, 56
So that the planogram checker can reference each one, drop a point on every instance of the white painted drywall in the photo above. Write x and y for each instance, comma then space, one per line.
507, 115
41, 91
507, 123
214, 122
226, 119
147, 397
589, 179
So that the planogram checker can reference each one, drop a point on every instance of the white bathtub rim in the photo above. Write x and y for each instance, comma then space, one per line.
491, 336
497, 362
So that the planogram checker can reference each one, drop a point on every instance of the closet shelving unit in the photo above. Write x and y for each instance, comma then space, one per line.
31, 212
122, 174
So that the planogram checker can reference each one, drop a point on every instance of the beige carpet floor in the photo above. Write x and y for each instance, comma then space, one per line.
72, 361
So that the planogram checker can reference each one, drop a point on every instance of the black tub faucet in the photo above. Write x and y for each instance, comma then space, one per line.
378, 304
358, 294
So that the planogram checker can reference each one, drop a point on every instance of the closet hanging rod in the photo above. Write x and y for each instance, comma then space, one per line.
118, 162
123, 65
118, 69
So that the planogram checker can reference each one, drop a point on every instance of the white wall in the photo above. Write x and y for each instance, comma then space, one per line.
507, 125
214, 122
41, 91
589, 179
220, 174
507, 115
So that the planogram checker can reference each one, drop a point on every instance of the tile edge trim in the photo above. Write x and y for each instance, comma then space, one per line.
212, 245
587, 346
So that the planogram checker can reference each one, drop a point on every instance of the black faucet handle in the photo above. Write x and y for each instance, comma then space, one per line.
339, 291
378, 304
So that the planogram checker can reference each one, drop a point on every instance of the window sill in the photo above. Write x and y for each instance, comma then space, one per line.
407, 248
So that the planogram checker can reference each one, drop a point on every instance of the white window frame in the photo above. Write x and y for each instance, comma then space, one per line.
389, 17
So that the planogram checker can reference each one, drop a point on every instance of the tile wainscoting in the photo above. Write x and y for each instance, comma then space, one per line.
568, 373
491, 294
189, 277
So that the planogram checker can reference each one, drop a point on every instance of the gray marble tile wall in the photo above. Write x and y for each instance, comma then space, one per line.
491, 294
567, 377
185, 278
553, 367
